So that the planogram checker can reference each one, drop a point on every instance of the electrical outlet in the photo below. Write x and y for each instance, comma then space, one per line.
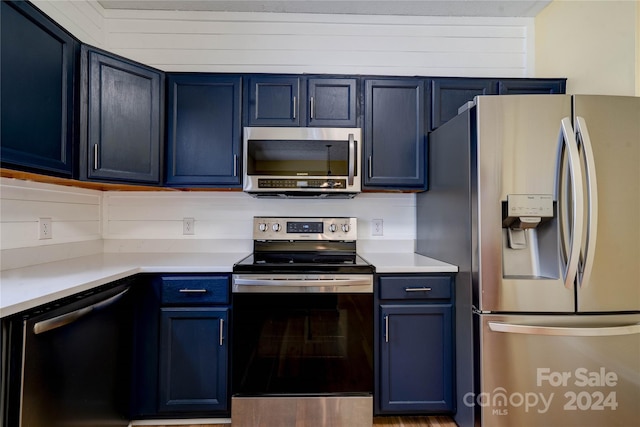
376, 227
44, 228
188, 226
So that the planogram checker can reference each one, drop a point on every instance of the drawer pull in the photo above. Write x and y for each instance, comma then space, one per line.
423, 289
193, 291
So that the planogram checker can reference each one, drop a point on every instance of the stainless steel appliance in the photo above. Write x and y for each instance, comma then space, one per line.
69, 362
302, 162
303, 325
537, 199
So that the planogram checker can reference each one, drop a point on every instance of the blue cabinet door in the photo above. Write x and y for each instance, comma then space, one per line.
37, 98
394, 134
121, 119
416, 358
449, 94
274, 101
531, 86
332, 102
203, 130
193, 359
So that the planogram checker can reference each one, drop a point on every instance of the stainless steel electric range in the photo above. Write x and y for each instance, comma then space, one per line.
303, 324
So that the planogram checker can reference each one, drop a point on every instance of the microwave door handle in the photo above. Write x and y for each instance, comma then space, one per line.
352, 159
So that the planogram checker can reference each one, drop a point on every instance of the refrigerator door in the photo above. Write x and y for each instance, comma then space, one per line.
520, 268
610, 264
569, 371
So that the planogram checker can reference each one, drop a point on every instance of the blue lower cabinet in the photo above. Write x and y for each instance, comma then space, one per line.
415, 359
193, 359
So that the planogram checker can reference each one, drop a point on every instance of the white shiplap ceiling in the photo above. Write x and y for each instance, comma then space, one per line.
495, 8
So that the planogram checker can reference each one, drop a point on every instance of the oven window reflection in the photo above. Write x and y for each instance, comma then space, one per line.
303, 344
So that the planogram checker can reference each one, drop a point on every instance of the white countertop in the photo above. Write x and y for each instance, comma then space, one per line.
387, 262
28, 287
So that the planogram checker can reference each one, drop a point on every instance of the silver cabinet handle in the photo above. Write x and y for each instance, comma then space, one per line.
67, 318
386, 328
567, 141
257, 97
95, 156
235, 165
311, 107
352, 159
423, 289
193, 291
582, 137
295, 106
221, 331
370, 163
606, 331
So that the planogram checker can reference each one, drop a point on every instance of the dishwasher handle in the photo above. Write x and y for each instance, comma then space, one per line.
67, 318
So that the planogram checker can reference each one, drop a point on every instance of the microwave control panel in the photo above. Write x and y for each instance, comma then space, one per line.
301, 183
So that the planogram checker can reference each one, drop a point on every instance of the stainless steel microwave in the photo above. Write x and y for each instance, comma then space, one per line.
302, 162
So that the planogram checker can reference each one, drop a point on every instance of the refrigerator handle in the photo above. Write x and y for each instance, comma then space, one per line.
567, 140
584, 141
604, 331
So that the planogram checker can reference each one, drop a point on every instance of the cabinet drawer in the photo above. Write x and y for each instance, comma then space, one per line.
195, 289
415, 287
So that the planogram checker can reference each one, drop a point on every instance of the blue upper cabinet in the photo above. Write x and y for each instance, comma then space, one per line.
38, 62
332, 102
274, 101
531, 86
121, 119
449, 94
394, 134
203, 130
301, 101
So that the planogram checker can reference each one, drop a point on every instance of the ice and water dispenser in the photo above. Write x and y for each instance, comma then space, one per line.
530, 239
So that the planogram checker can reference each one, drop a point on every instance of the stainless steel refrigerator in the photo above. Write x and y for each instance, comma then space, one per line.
537, 199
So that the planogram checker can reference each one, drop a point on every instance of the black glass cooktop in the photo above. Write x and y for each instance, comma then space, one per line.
303, 262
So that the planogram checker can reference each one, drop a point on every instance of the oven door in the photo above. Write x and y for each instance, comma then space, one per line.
292, 343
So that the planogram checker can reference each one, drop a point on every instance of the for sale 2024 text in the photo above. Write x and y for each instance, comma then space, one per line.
590, 391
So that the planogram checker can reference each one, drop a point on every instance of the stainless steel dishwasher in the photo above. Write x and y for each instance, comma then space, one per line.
69, 362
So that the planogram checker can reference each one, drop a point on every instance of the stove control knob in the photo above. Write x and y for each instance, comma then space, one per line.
262, 227
345, 228
333, 228
276, 227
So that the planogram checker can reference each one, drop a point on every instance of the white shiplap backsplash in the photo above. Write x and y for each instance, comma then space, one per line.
75, 222
86, 222
152, 222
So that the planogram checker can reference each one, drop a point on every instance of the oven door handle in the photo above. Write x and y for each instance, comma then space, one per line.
281, 285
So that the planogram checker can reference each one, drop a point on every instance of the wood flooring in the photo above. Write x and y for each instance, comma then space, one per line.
434, 421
